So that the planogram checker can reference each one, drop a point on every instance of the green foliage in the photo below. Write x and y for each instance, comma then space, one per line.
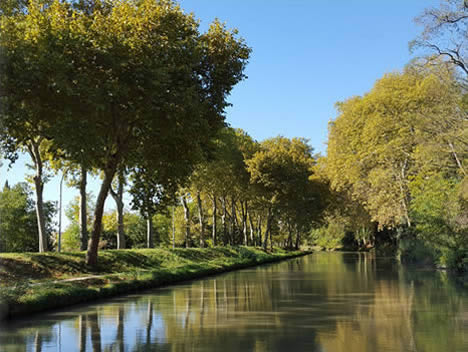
441, 217
18, 224
71, 238
71, 235
9, 295
392, 133
329, 237
416, 250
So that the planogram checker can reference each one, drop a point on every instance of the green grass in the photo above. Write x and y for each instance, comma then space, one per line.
30, 282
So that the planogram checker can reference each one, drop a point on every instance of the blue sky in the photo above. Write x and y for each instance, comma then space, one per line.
307, 55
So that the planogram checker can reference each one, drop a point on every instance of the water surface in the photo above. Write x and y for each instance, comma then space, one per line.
322, 302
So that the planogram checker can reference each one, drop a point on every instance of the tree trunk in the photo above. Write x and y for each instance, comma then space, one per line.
244, 222
118, 198
223, 220
252, 237
40, 213
403, 192
92, 253
149, 232
214, 220
233, 220
298, 239
187, 222
267, 230
34, 152
201, 219
259, 230
290, 238
83, 209
173, 226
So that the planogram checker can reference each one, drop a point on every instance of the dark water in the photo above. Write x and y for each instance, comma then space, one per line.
323, 302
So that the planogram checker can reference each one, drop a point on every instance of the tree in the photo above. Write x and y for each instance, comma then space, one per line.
151, 192
127, 79
383, 139
223, 175
24, 113
280, 171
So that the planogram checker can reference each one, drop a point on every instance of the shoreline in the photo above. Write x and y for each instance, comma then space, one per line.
45, 296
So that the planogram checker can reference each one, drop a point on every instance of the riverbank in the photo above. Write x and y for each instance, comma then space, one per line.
36, 282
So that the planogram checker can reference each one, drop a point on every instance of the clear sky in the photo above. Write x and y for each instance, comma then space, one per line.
307, 55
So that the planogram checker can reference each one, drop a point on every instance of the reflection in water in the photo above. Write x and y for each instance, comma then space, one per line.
322, 302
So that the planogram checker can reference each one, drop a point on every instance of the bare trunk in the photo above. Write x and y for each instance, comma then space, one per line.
259, 230
214, 220
92, 253
149, 232
244, 222
233, 221
173, 226
201, 219
40, 213
298, 239
290, 239
83, 210
121, 244
223, 220
252, 237
267, 230
118, 198
187, 222
34, 152
402, 177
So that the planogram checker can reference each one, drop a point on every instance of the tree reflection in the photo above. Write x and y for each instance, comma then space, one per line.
324, 302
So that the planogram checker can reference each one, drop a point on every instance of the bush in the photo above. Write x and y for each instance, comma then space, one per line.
440, 213
328, 237
455, 259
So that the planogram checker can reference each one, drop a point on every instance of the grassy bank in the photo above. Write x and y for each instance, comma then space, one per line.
33, 282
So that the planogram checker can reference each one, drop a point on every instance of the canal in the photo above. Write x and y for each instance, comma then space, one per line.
327, 302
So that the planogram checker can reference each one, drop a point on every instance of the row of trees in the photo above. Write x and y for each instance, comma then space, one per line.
246, 193
131, 91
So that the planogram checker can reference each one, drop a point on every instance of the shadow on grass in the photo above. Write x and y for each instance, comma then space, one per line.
122, 260
206, 254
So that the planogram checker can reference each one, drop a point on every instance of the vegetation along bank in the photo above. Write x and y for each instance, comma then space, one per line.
34, 282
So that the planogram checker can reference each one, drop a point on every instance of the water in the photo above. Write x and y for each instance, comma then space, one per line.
322, 302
